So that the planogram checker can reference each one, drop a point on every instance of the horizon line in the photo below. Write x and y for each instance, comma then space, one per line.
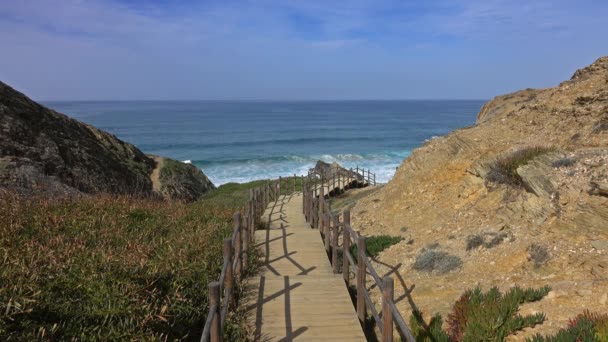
265, 100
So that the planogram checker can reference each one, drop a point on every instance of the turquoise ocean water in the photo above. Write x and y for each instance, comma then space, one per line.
238, 141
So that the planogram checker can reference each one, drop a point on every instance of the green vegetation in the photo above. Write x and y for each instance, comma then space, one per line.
430, 332
113, 268
376, 244
287, 185
504, 169
479, 316
439, 262
182, 181
586, 327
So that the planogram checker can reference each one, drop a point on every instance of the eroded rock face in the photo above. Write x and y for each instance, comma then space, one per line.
43, 152
442, 194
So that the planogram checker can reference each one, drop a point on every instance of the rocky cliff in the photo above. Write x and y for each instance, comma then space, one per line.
43, 152
520, 198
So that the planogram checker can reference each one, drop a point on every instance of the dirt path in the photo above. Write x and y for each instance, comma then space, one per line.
155, 175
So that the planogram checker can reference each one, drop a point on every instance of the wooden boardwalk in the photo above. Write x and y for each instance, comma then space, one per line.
297, 295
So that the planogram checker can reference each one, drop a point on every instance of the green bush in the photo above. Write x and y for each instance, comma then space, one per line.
586, 327
479, 316
504, 169
376, 244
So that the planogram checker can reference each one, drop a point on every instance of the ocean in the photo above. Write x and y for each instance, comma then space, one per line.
239, 141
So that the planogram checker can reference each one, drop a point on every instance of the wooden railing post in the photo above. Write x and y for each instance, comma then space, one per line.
361, 271
321, 200
374, 179
346, 247
214, 299
387, 316
228, 282
245, 232
279, 186
333, 182
334, 243
326, 224
238, 244
294, 182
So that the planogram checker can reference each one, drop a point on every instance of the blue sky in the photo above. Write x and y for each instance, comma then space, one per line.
295, 49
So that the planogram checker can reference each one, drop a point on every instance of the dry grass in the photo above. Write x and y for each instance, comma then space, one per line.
504, 169
110, 268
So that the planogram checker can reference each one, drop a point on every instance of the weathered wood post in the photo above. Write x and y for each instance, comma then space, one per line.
326, 224
304, 199
245, 232
361, 270
238, 244
374, 179
214, 300
346, 247
228, 280
334, 243
295, 177
279, 186
387, 316
314, 212
321, 202
333, 182
251, 214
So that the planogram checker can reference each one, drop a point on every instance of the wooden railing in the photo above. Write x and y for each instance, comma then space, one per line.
317, 212
221, 292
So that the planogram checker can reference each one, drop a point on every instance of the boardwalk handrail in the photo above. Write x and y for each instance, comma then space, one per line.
317, 213
221, 292
235, 250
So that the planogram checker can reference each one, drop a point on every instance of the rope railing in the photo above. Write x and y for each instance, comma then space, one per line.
318, 214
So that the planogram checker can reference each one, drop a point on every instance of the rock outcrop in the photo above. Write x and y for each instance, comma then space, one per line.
43, 152
446, 192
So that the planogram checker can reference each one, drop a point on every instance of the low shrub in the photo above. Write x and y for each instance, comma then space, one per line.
584, 327
474, 241
376, 244
504, 169
488, 240
538, 254
563, 162
430, 332
434, 261
479, 316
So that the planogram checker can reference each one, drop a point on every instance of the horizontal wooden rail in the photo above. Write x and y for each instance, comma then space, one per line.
316, 191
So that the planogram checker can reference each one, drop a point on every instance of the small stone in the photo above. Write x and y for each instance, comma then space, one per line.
604, 299
584, 292
600, 244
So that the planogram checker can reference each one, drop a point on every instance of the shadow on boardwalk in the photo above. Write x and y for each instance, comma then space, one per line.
297, 296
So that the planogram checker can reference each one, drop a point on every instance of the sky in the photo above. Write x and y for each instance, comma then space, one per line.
294, 49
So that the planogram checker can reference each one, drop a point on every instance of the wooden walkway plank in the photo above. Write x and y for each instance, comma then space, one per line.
297, 297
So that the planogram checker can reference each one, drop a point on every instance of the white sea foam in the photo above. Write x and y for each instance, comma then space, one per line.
187, 161
382, 164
